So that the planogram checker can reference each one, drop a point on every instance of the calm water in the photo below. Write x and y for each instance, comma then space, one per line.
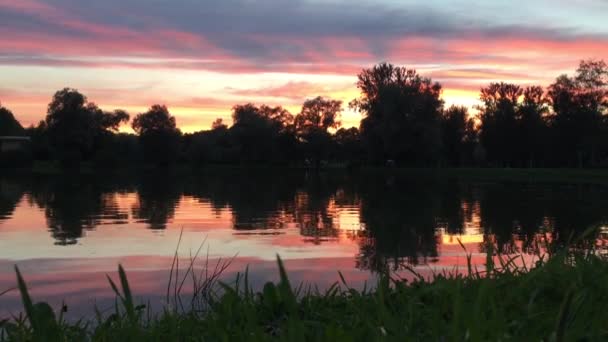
67, 233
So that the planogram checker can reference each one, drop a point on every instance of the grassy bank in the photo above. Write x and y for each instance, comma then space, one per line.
598, 176
562, 299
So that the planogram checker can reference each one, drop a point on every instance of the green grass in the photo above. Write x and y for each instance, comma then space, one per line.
563, 298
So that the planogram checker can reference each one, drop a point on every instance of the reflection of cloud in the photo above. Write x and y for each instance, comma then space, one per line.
55, 281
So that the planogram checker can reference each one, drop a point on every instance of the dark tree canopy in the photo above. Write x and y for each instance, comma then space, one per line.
580, 104
261, 133
498, 116
403, 122
219, 124
156, 120
74, 124
158, 135
513, 124
458, 135
319, 113
348, 145
401, 112
533, 127
8, 124
317, 116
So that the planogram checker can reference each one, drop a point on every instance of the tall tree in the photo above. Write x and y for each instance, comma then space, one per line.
401, 112
74, 124
158, 135
8, 124
458, 135
212, 146
533, 126
261, 133
348, 145
498, 116
218, 124
312, 126
579, 104
41, 146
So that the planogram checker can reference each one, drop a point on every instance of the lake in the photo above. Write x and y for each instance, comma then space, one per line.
67, 232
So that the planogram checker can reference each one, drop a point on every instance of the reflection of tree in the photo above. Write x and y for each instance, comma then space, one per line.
10, 195
457, 206
573, 209
158, 195
314, 209
515, 215
259, 199
73, 204
400, 218
400, 215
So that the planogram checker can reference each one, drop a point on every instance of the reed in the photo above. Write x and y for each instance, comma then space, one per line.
561, 298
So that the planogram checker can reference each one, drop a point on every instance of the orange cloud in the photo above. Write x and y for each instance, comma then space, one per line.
462, 63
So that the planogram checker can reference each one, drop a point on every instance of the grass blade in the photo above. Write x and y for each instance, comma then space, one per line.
26, 299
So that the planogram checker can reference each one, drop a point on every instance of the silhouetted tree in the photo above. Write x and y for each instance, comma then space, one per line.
158, 135
312, 124
74, 125
579, 104
498, 116
458, 135
40, 141
401, 114
213, 146
218, 124
533, 132
348, 145
8, 124
118, 149
403, 120
261, 133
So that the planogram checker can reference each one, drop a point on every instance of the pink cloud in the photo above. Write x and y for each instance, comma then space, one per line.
462, 63
297, 91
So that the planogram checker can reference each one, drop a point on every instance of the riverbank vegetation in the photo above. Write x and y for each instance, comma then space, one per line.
561, 298
405, 122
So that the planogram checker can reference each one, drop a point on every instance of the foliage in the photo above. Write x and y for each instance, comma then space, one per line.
401, 114
8, 124
404, 122
458, 136
261, 133
580, 104
158, 135
312, 124
559, 299
74, 125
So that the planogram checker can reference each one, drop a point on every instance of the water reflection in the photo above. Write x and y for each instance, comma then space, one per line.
157, 197
391, 221
73, 205
10, 194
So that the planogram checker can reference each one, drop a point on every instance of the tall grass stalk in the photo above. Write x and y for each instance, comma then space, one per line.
557, 298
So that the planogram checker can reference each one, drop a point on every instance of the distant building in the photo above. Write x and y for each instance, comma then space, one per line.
10, 144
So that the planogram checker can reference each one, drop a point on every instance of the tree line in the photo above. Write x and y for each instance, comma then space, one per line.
404, 122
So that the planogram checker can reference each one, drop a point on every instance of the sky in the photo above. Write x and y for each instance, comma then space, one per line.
201, 57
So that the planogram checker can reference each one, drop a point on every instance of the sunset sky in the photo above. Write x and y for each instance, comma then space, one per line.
202, 57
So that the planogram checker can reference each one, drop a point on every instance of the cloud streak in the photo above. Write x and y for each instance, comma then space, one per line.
461, 43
